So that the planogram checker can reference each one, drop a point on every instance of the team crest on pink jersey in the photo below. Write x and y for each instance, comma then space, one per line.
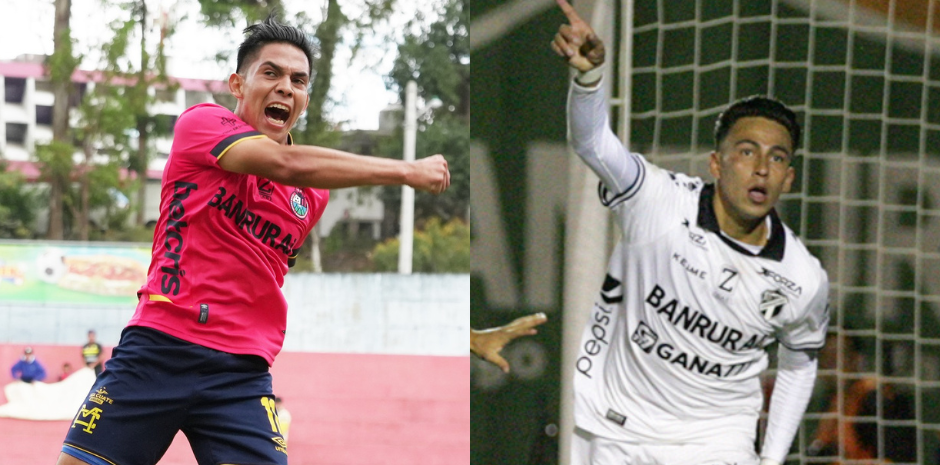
299, 204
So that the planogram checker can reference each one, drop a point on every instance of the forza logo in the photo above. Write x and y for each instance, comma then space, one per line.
771, 303
781, 280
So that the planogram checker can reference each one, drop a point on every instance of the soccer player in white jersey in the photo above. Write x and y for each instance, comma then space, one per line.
704, 280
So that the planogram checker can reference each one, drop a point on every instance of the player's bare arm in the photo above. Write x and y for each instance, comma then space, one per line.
578, 44
323, 168
271, 89
487, 343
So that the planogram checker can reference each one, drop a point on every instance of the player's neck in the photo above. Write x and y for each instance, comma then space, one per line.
753, 232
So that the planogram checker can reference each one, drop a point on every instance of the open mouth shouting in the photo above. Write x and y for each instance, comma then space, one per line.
277, 113
757, 194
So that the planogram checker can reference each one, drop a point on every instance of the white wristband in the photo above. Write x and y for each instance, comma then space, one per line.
591, 76
766, 461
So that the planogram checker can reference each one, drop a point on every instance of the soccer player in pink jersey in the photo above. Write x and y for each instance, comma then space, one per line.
238, 199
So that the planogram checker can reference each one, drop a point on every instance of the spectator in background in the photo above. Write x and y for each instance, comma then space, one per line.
66, 371
28, 369
853, 435
283, 417
91, 352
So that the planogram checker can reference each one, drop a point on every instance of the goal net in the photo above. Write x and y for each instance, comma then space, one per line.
864, 77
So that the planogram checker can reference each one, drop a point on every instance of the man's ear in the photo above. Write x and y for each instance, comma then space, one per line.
235, 83
714, 164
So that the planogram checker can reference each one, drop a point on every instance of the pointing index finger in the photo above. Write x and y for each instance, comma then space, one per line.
568, 10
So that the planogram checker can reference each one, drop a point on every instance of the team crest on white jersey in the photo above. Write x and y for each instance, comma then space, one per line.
771, 303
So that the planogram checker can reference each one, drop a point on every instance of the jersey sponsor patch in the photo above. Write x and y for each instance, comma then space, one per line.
599, 328
645, 337
698, 324
671, 354
299, 204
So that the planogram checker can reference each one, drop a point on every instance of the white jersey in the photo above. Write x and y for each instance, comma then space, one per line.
677, 339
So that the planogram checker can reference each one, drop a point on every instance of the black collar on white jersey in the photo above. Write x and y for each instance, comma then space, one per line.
708, 221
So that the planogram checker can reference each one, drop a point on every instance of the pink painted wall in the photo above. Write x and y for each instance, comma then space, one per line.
347, 409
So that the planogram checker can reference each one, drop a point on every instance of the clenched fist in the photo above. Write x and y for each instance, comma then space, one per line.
429, 174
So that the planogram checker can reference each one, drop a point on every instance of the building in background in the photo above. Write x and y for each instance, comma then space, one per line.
26, 119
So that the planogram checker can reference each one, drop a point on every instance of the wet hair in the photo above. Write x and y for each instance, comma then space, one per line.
757, 105
270, 31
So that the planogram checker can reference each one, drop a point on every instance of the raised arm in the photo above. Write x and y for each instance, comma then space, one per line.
588, 124
323, 168
577, 43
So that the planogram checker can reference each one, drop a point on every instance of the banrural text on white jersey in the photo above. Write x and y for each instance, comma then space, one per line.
675, 343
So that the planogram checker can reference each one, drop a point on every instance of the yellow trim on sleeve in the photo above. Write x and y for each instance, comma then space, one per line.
236, 142
159, 298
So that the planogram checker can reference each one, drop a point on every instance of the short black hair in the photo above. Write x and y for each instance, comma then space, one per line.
270, 31
757, 105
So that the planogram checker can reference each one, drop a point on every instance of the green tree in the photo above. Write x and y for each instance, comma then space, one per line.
17, 205
118, 104
438, 248
436, 56
150, 73
448, 135
60, 66
102, 129
222, 13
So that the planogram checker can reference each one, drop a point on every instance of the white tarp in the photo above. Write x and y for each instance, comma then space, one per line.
47, 401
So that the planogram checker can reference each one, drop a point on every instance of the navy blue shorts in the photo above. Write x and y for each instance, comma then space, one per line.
155, 385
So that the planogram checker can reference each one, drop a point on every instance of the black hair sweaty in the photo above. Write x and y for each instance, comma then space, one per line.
757, 105
270, 31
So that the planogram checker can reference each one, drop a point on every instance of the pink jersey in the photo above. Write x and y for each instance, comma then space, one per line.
222, 244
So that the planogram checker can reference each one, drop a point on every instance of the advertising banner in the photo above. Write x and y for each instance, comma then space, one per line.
72, 274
